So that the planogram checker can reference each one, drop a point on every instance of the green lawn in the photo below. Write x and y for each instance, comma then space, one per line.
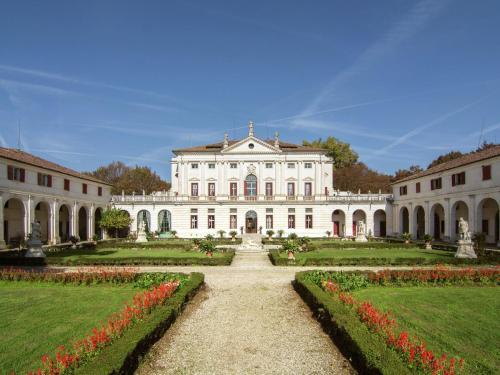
137, 256
460, 321
38, 317
367, 256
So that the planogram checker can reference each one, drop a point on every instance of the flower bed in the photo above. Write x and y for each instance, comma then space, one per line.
372, 336
119, 341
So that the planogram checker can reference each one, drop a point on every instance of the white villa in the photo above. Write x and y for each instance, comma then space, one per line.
65, 202
434, 200
254, 185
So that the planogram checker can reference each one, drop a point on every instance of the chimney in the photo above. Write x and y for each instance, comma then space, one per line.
276, 140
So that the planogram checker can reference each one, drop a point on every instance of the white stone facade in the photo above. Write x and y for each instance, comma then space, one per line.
254, 185
63, 201
467, 187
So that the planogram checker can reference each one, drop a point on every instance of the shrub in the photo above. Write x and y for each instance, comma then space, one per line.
406, 236
270, 233
74, 239
293, 236
427, 238
174, 233
479, 239
280, 233
221, 233
114, 219
291, 246
209, 237
233, 234
207, 247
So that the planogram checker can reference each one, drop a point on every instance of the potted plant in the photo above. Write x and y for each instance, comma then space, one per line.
328, 233
174, 233
196, 243
427, 241
209, 237
74, 240
280, 233
221, 233
290, 247
293, 236
233, 235
406, 237
270, 234
207, 247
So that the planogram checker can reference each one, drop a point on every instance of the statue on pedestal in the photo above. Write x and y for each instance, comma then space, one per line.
141, 233
465, 247
34, 243
360, 232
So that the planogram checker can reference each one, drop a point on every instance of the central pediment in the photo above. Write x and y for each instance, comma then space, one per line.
251, 145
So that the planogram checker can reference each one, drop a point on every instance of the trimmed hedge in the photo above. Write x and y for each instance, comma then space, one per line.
368, 353
276, 260
124, 355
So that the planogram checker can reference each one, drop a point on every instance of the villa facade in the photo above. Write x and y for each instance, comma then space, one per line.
252, 186
433, 201
65, 202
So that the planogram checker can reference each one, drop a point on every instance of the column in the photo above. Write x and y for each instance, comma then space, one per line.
447, 219
395, 219
427, 218
2, 234
348, 223
90, 220
471, 206
370, 222
53, 223
29, 215
261, 190
74, 220
300, 189
411, 228
317, 179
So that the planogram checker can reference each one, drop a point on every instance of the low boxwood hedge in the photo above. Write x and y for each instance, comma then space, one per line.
125, 353
368, 353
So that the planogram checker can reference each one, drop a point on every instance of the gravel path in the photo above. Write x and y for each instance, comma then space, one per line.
247, 320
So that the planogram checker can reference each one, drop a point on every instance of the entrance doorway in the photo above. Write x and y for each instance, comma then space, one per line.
251, 222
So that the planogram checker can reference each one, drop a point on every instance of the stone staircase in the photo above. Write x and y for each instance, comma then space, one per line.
251, 243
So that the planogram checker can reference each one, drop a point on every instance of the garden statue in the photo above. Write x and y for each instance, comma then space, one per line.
141, 233
34, 243
465, 247
360, 233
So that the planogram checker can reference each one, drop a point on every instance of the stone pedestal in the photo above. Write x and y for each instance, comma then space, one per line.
361, 237
465, 249
141, 237
34, 249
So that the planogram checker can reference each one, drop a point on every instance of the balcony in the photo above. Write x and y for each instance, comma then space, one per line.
250, 197
308, 197
291, 197
194, 198
269, 197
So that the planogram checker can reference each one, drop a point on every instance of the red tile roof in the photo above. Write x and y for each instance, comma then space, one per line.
24, 157
216, 147
470, 158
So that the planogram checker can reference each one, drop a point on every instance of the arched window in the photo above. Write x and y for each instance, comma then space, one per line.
144, 217
251, 185
164, 221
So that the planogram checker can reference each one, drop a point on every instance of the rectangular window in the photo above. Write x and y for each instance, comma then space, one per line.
99, 191
269, 165
233, 165
309, 221
291, 221
233, 222
211, 210
486, 172
233, 189
403, 190
66, 184
44, 180
84, 188
308, 189
291, 189
194, 165
291, 210
269, 189
269, 221
194, 189
16, 173
211, 221
308, 165
194, 210
458, 179
309, 210
194, 221
417, 187
291, 165
211, 166
211, 189
269, 210
436, 183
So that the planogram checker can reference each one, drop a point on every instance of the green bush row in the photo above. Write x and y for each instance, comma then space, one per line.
368, 352
125, 353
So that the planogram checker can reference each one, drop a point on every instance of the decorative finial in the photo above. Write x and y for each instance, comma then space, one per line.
276, 140
226, 141
250, 128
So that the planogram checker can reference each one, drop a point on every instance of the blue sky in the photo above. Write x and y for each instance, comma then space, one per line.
402, 81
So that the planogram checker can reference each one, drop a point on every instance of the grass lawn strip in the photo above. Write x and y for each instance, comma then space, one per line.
372, 336
452, 319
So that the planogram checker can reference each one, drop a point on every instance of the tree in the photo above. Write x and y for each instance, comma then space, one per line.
445, 158
485, 145
341, 152
129, 180
403, 173
359, 177
113, 220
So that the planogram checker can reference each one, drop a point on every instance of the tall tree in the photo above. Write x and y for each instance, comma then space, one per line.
342, 153
403, 173
359, 177
113, 220
129, 180
485, 145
